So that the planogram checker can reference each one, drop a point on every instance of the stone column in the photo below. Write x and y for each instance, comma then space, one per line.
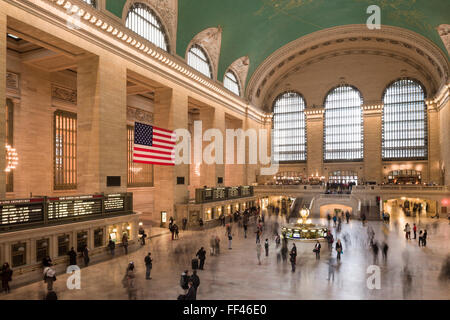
434, 147
3, 53
171, 113
212, 119
372, 146
444, 135
314, 129
102, 136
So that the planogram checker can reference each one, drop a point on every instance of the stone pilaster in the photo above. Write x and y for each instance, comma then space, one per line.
433, 145
212, 119
3, 50
372, 147
171, 112
314, 132
444, 128
102, 136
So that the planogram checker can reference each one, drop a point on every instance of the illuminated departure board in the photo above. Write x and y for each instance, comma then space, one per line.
114, 203
219, 194
21, 211
233, 192
67, 207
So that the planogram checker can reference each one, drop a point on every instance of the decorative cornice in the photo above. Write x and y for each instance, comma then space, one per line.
352, 33
113, 29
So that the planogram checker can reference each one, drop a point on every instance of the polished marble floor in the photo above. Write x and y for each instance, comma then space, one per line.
235, 274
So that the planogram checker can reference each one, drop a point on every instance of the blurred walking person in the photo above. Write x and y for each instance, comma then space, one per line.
316, 250
148, 265
125, 243
385, 251
130, 281
230, 238
266, 247
6, 274
339, 249
258, 252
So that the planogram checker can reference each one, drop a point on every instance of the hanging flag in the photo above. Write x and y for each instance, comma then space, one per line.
153, 145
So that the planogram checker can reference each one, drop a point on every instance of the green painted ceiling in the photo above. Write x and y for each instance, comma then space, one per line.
257, 28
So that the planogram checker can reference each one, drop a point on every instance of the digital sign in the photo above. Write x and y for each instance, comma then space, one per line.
67, 207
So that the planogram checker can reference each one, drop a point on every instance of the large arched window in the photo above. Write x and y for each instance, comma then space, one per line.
343, 132
91, 2
198, 60
404, 121
231, 82
142, 20
289, 129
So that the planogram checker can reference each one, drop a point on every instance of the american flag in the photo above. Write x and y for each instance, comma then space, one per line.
153, 145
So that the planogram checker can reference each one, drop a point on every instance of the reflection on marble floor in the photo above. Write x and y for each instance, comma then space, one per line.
236, 275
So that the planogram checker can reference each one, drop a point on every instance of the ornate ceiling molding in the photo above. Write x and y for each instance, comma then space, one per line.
240, 68
417, 46
444, 32
167, 11
211, 40
277, 87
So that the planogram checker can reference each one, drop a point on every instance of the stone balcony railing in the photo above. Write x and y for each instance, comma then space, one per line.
415, 188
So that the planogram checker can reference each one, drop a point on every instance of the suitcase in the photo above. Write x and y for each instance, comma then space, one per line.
194, 264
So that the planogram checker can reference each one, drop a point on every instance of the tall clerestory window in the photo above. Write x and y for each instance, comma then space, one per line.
198, 60
289, 128
405, 121
142, 20
343, 132
231, 82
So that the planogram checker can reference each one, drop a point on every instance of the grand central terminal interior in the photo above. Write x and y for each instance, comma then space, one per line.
339, 161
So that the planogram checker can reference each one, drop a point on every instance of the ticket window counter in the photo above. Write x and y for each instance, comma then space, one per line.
112, 234
63, 245
228, 209
18, 255
219, 211
236, 207
42, 249
208, 214
82, 240
98, 238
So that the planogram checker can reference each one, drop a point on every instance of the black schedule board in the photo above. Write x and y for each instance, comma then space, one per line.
70, 207
14, 212
114, 203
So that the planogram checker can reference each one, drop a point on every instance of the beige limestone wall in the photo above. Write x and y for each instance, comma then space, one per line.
444, 137
372, 147
3, 54
102, 144
434, 147
314, 133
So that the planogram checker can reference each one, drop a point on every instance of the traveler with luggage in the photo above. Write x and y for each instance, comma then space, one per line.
201, 254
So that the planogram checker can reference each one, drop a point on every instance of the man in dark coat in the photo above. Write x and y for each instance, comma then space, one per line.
6, 275
201, 254
192, 293
72, 257
46, 262
195, 280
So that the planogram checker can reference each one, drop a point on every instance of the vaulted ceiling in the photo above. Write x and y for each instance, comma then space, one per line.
257, 28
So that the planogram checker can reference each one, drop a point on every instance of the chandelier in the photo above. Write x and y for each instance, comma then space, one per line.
12, 159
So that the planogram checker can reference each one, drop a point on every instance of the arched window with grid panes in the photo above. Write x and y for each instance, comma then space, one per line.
91, 2
404, 121
198, 59
143, 20
343, 125
289, 128
230, 81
